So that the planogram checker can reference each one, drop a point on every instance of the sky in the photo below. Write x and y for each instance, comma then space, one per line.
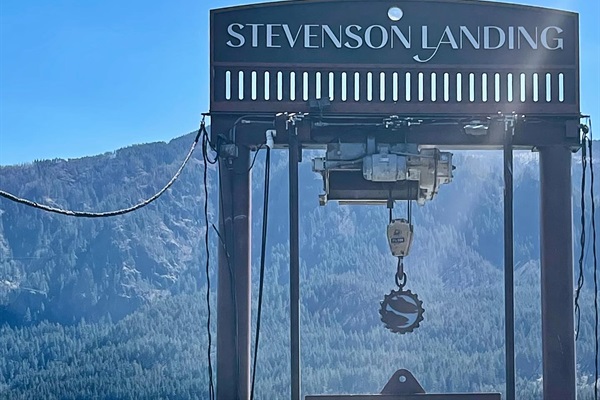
80, 78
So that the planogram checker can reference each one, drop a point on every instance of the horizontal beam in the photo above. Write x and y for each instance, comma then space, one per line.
444, 132
453, 396
415, 108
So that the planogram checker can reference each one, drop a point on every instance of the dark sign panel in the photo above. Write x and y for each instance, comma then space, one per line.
432, 56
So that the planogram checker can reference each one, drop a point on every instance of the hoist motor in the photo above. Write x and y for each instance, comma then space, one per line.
374, 173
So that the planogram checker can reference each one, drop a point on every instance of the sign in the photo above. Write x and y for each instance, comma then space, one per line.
395, 32
458, 47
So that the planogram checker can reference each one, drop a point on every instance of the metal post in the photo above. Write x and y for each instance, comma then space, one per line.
294, 151
233, 296
558, 337
509, 302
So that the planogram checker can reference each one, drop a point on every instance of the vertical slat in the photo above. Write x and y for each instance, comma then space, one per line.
254, 85
434, 88
545, 91
273, 84
522, 87
341, 86
569, 83
293, 85
535, 87
368, 86
406, 94
318, 85
561, 87
499, 87
472, 85
509, 87
235, 84
332, 85
446, 84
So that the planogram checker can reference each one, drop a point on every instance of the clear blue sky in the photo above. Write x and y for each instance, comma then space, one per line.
81, 78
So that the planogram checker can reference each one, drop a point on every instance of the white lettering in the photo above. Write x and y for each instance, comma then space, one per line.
450, 40
241, 39
326, 31
369, 40
424, 41
522, 32
557, 40
465, 32
398, 33
353, 36
288, 34
511, 37
255, 33
487, 34
271, 35
308, 36
376, 37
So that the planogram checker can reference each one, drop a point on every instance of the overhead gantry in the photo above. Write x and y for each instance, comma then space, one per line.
387, 88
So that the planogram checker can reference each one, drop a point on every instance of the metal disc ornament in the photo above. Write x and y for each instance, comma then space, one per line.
401, 311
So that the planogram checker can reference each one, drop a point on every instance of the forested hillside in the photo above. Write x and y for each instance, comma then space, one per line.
115, 308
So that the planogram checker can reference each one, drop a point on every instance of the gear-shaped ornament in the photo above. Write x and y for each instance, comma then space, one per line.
401, 311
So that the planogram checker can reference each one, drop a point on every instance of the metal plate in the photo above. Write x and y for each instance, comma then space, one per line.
443, 57
454, 396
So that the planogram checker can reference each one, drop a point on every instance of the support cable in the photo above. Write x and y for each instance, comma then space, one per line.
85, 214
580, 280
262, 264
256, 155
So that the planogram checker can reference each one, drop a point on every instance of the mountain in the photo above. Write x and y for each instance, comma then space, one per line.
112, 307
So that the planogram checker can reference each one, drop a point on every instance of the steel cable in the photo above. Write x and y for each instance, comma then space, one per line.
85, 214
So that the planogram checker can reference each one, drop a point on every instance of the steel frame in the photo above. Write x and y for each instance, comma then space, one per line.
313, 97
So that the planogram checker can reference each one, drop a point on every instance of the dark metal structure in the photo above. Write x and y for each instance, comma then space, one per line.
403, 386
450, 74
